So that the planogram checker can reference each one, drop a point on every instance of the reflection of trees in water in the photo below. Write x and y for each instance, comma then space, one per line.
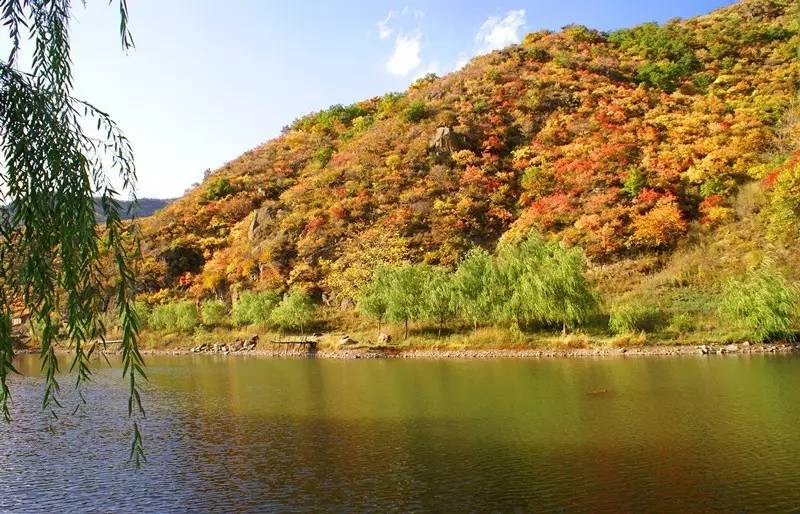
262, 434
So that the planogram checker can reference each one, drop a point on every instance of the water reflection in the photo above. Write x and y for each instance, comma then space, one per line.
249, 434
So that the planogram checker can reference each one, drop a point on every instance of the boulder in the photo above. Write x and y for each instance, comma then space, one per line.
384, 339
704, 349
346, 340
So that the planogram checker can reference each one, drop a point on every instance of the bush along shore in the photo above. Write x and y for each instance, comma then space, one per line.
531, 297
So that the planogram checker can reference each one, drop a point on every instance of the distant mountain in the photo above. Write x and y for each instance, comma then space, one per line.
146, 207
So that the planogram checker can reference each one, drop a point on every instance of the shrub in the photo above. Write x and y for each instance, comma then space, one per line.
416, 111
763, 303
628, 340
635, 180
254, 308
213, 313
175, 317
660, 227
633, 317
294, 312
681, 323
219, 188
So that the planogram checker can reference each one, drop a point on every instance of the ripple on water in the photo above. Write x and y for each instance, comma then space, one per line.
261, 435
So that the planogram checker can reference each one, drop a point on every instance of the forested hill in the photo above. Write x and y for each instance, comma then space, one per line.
635, 145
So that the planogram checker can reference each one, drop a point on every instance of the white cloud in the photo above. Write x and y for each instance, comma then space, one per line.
405, 57
462, 60
384, 30
496, 32
431, 67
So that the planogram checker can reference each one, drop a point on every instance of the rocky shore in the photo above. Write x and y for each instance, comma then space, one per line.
251, 347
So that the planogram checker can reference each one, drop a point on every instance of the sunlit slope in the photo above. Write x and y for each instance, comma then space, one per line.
625, 144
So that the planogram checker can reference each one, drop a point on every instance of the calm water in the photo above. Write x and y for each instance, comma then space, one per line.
250, 434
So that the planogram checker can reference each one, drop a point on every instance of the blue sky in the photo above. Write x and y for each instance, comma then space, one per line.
209, 79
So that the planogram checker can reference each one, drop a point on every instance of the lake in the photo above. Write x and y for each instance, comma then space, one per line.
250, 434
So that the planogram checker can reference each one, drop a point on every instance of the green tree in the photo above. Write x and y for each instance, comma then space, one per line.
763, 302
635, 180
405, 294
254, 308
294, 312
569, 298
58, 153
373, 299
219, 188
438, 297
537, 281
213, 313
473, 283
178, 316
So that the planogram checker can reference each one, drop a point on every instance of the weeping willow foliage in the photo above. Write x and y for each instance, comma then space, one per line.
538, 281
763, 302
58, 152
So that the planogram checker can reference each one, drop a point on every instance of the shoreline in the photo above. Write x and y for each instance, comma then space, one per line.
484, 354
367, 353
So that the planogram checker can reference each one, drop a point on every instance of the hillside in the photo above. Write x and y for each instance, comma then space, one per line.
654, 149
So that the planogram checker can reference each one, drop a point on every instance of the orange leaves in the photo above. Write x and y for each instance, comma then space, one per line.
659, 227
314, 224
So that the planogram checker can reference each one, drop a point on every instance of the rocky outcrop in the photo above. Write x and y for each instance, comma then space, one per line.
262, 220
444, 141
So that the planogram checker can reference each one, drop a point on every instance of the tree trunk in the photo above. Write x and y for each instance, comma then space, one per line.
405, 336
564, 328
